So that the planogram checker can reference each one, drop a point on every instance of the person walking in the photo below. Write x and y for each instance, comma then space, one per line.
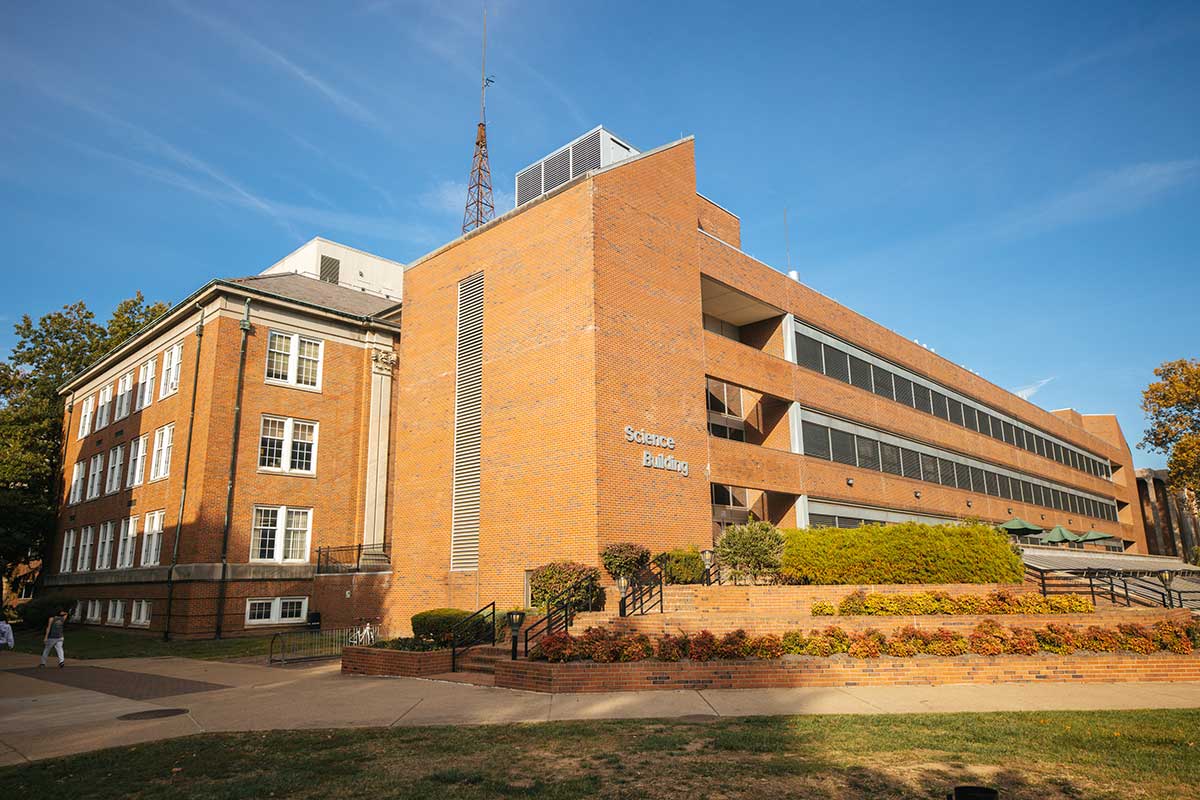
54, 637
6, 634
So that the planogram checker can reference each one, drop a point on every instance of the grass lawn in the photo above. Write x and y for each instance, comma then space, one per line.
91, 642
1042, 755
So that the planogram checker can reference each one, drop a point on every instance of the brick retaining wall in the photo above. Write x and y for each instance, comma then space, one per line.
842, 670
396, 663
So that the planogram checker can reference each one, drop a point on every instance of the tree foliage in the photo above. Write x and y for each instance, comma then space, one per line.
1172, 406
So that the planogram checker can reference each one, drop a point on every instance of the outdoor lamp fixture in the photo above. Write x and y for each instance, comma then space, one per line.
707, 557
515, 620
623, 584
1165, 577
969, 504
849, 481
917, 494
1010, 511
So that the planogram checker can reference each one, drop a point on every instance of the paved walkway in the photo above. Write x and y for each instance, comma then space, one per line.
53, 712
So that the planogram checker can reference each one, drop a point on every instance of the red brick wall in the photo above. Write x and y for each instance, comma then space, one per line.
395, 663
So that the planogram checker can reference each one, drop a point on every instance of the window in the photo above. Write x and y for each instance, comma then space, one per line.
93, 611
889, 457
868, 453
127, 543
152, 538
724, 398
145, 387
294, 359
26, 590
140, 613
883, 383
947, 472
921, 398
929, 467
77, 611
104, 407
137, 462
860, 374
95, 475
105, 546
68, 552
276, 610
941, 406
170, 372
904, 390
76, 483
910, 462
85, 416
808, 353
842, 444
280, 533
116, 458
837, 364
116, 612
85, 549
816, 440
160, 463
124, 396
287, 445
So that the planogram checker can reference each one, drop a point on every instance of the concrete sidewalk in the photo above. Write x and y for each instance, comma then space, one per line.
63, 713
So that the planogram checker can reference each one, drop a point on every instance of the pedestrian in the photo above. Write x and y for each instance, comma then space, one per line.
54, 637
6, 634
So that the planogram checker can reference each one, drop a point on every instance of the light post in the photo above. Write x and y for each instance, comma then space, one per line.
706, 556
1166, 577
622, 588
515, 620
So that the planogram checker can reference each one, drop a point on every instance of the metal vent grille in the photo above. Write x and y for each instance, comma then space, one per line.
331, 269
585, 154
529, 184
468, 410
557, 170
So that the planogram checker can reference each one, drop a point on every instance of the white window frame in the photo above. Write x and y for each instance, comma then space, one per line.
67, 562
25, 591
95, 481
152, 535
127, 543
78, 481
289, 427
119, 607
294, 360
170, 371
276, 605
104, 407
85, 416
124, 396
139, 614
94, 611
104, 544
83, 562
145, 385
160, 458
77, 611
137, 462
280, 534
116, 460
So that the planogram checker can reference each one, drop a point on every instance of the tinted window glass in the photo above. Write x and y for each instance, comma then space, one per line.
843, 447
836, 365
816, 440
883, 382
889, 459
868, 453
860, 373
808, 352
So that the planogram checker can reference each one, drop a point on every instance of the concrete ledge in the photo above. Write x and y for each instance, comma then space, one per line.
394, 663
842, 670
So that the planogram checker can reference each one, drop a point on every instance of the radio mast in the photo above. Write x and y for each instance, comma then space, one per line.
480, 208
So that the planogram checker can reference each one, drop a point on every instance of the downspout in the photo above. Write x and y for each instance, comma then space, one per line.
233, 452
187, 463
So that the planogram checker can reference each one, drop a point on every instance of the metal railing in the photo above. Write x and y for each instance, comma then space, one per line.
645, 592
562, 608
352, 558
476, 629
1128, 587
714, 575
306, 645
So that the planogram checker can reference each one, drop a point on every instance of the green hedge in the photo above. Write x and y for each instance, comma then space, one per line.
435, 624
551, 580
905, 552
681, 566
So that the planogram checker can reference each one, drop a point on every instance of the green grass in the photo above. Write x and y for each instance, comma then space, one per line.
1029, 755
89, 642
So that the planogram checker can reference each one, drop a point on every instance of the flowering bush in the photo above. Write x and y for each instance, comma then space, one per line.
1056, 638
868, 644
823, 609
702, 646
945, 642
927, 603
671, 648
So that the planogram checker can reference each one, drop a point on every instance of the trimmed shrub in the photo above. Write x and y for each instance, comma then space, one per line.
702, 646
929, 603
794, 642
624, 559
1136, 638
945, 642
1099, 640
671, 648
823, 609
765, 647
436, 624
555, 647
751, 551
908, 641
868, 644
1056, 638
549, 580
906, 552
735, 644
39, 610
408, 643
1171, 637
681, 566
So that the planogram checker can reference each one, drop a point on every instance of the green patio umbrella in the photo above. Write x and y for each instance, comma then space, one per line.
1095, 536
1058, 534
1021, 527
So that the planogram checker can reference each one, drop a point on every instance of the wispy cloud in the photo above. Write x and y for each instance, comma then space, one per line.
1028, 391
1135, 44
450, 197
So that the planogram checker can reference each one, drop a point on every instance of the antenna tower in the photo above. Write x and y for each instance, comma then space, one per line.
480, 208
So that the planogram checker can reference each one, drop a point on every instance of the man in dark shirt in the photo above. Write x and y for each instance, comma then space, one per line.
54, 637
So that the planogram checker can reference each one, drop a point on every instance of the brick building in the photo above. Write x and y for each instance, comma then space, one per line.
601, 364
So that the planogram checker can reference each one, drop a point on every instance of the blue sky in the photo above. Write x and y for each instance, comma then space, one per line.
1015, 185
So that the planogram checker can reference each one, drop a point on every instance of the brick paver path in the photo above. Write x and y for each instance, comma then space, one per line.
120, 683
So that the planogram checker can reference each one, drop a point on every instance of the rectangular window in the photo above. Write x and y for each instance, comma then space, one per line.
84, 563
294, 359
152, 538
941, 407
287, 445
77, 482
95, 476
281, 533
170, 372
955, 411
822, 521
68, 552
26, 591
970, 419
808, 353
145, 387
837, 365
947, 472
904, 390
127, 543
962, 476
94, 610
160, 463
889, 458
868, 453
116, 458
816, 440
105, 547
140, 613
860, 373
910, 460
929, 468
1005, 486
842, 445
1009, 433
104, 407
116, 612
85, 416
978, 482
276, 610
137, 462
124, 396
921, 398
882, 380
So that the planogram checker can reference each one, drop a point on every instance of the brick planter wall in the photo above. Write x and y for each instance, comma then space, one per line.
394, 663
841, 670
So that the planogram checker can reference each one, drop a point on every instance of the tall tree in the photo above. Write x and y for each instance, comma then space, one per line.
48, 353
1172, 405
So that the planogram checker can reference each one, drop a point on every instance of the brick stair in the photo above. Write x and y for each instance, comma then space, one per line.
482, 659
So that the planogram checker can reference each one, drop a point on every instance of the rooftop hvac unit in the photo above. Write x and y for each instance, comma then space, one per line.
596, 149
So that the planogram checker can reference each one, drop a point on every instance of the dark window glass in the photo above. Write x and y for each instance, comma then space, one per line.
997, 429
1074, 459
962, 476
929, 470
978, 483
860, 373
808, 352
1074, 502
836, 365
969, 418
1020, 434
868, 453
842, 446
1027, 491
1058, 453
921, 400
737, 434
849, 522
889, 458
1041, 446
985, 422
883, 383
720, 495
1010, 433
911, 463
956, 411
716, 396
904, 390
718, 430
947, 470
1038, 495
816, 440
1005, 487
940, 407
822, 521
993, 484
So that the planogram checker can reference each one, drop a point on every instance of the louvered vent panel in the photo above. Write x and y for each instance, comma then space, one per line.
585, 154
468, 409
331, 269
557, 170
529, 184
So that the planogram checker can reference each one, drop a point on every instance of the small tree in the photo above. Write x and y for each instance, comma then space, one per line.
1172, 406
752, 550
624, 559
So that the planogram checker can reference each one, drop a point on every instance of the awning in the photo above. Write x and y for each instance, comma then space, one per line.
1018, 525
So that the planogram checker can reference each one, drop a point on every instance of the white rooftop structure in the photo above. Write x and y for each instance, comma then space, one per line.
596, 149
343, 266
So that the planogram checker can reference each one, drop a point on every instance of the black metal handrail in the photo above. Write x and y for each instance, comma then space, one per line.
713, 575
474, 630
561, 611
349, 558
645, 592
1131, 587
